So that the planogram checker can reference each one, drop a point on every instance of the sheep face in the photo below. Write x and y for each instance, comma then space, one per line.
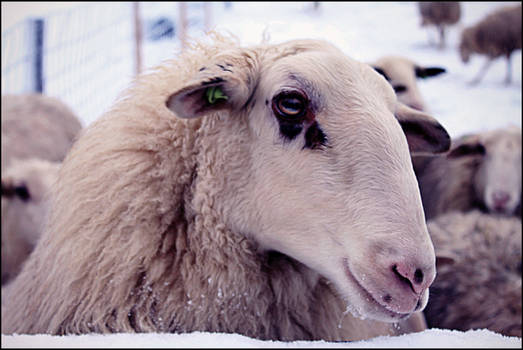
24, 187
497, 180
326, 176
402, 74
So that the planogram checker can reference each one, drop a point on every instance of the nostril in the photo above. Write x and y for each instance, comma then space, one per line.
399, 275
418, 276
413, 278
387, 298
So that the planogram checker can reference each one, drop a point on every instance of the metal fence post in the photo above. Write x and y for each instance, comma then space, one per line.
38, 55
138, 35
182, 27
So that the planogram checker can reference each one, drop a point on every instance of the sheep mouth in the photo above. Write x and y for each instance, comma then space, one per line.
370, 298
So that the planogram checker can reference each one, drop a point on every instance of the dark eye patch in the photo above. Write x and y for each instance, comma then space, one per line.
294, 112
290, 130
22, 192
315, 137
399, 88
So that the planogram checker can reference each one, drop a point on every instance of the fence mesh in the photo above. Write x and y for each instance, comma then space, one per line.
88, 55
17, 58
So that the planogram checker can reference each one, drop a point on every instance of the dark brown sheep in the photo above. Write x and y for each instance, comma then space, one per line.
440, 14
497, 35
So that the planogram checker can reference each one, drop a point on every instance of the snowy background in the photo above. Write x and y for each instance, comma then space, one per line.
367, 31
88, 64
364, 31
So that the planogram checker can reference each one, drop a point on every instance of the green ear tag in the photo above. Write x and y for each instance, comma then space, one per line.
214, 93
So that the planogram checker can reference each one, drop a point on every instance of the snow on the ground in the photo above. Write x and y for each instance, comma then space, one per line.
364, 31
432, 338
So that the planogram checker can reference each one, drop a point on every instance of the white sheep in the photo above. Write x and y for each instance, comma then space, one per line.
481, 170
264, 191
481, 286
496, 35
402, 73
440, 14
25, 185
36, 126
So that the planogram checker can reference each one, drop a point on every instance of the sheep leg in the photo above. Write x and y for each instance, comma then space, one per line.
441, 37
509, 71
482, 72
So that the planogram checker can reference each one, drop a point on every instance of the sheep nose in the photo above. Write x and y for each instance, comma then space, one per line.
417, 278
500, 199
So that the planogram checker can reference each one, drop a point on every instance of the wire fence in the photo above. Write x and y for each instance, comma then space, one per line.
87, 54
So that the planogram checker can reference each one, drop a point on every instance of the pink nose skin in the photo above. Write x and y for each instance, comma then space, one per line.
417, 278
401, 284
500, 199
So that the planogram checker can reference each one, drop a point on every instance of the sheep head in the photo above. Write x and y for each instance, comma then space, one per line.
402, 73
25, 184
325, 174
497, 180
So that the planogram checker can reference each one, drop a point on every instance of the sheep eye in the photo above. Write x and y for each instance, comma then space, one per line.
290, 105
400, 88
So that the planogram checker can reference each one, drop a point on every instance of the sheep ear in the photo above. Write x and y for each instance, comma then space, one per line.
442, 260
424, 134
381, 71
427, 72
467, 147
221, 87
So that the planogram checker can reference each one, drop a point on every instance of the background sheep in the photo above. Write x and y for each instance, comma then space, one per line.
25, 185
237, 213
481, 288
402, 74
481, 171
498, 34
440, 14
36, 126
